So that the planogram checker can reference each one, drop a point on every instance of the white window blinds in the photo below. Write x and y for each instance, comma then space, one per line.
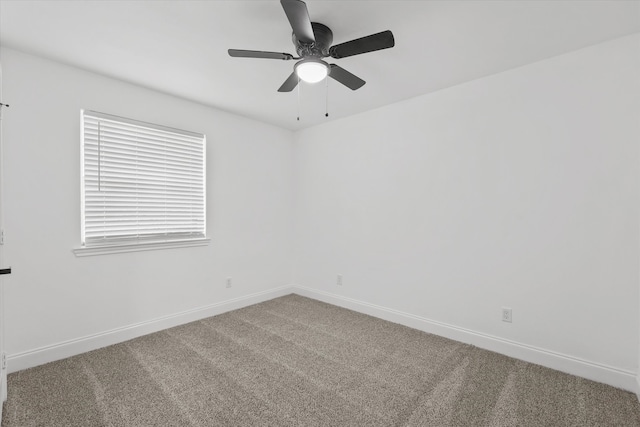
140, 182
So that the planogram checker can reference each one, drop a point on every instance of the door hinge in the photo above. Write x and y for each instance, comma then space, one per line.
2, 237
4, 361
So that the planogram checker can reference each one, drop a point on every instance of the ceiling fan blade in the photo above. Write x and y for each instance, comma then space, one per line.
236, 53
383, 40
298, 17
341, 75
290, 83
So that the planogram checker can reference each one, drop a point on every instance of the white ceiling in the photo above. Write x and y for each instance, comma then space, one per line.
180, 47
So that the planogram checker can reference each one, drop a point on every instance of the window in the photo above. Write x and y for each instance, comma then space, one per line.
143, 185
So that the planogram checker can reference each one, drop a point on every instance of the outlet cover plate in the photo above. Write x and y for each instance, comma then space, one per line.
507, 315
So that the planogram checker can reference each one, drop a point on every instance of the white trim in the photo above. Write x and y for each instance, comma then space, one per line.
616, 377
3, 370
61, 350
204, 184
638, 386
135, 247
3, 388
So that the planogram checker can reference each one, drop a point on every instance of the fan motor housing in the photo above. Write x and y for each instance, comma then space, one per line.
320, 49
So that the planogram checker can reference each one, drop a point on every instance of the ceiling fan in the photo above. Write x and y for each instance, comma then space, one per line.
313, 42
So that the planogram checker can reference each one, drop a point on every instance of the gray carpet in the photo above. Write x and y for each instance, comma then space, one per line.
294, 361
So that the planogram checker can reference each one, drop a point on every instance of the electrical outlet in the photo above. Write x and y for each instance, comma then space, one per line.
228, 282
339, 282
506, 314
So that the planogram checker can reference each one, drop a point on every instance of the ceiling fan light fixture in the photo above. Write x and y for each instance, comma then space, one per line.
312, 70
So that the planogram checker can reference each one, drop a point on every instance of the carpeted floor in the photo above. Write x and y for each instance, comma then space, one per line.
294, 361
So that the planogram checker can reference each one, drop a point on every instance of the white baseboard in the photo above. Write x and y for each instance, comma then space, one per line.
50, 353
3, 389
616, 377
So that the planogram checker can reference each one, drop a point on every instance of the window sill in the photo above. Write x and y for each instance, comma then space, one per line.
136, 247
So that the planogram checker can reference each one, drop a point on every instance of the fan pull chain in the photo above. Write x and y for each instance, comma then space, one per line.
326, 101
298, 99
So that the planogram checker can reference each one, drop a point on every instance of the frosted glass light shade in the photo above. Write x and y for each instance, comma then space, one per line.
312, 70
